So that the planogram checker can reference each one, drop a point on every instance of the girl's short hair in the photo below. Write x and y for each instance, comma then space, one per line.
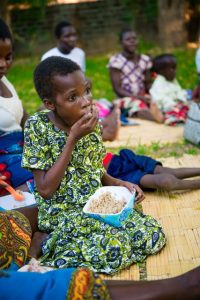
162, 61
45, 72
4, 31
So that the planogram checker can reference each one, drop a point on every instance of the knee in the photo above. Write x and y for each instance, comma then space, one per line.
165, 182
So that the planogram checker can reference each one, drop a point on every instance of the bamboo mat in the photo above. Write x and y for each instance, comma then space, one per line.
179, 214
146, 133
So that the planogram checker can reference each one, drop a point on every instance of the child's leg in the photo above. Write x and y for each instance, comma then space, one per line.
35, 249
31, 213
168, 182
153, 114
178, 172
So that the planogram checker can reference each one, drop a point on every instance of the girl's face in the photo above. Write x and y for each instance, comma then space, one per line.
129, 41
5, 56
73, 97
68, 38
169, 72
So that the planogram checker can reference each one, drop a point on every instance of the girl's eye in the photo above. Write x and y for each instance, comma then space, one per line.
72, 98
88, 90
9, 58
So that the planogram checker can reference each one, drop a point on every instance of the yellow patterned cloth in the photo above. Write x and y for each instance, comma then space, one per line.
15, 239
85, 284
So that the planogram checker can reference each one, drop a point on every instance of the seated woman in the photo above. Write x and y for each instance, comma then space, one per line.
131, 78
12, 118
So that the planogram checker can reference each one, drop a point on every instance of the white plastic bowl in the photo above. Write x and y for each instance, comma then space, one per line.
112, 219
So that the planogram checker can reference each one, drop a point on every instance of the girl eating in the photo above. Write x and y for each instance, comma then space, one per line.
64, 150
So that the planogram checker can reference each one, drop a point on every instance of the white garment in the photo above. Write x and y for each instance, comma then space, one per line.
197, 60
77, 55
192, 124
11, 109
166, 93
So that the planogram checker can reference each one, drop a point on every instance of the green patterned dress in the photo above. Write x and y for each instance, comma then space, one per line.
75, 239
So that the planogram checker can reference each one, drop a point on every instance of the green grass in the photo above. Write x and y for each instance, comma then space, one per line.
22, 71
21, 77
157, 150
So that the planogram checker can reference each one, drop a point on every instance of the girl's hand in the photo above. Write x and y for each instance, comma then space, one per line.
132, 188
86, 124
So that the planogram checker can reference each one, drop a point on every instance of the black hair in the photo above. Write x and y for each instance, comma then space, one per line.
46, 70
4, 31
162, 61
123, 31
59, 27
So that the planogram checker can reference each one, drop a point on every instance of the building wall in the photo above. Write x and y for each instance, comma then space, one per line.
98, 24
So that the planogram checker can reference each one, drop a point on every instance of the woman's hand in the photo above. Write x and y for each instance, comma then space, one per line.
86, 124
1, 184
132, 188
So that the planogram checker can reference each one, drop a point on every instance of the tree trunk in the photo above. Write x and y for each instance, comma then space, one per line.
4, 12
171, 27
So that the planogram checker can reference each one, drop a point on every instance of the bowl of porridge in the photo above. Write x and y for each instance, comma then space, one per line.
110, 204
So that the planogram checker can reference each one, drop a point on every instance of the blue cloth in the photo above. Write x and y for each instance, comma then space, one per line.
131, 167
24, 285
11, 148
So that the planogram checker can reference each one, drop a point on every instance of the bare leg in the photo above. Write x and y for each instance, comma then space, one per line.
111, 125
168, 182
145, 115
35, 249
178, 172
31, 213
149, 115
156, 113
183, 287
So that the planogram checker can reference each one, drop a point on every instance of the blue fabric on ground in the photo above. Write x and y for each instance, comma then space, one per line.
22, 285
131, 167
11, 148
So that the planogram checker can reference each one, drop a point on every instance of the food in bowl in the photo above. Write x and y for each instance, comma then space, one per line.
117, 193
107, 203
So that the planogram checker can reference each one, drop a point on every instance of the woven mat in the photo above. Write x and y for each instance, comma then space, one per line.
179, 214
146, 133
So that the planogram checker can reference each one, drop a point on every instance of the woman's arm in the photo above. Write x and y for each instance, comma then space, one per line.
147, 80
183, 287
24, 118
115, 76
